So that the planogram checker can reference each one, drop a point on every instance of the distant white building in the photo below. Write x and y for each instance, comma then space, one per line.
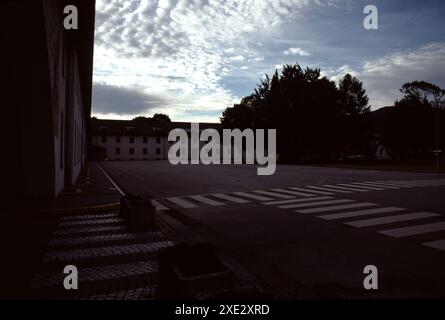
125, 140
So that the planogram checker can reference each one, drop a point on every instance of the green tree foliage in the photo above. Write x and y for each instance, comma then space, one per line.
309, 112
161, 117
416, 126
157, 117
356, 131
352, 96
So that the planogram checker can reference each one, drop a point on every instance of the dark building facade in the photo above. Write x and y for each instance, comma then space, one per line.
46, 95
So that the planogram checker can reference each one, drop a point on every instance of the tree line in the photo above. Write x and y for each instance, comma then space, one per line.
320, 120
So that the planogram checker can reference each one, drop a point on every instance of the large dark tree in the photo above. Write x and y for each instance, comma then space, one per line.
355, 131
161, 117
352, 97
426, 92
304, 108
416, 127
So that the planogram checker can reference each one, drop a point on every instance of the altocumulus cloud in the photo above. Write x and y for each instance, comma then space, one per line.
179, 52
193, 58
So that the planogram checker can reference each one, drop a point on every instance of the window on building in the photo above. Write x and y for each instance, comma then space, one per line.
158, 140
118, 151
131, 139
145, 151
118, 139
104, 139
145, 139
131, 151
158, 151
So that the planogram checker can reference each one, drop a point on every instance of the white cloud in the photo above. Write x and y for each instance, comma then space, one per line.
237, 58
383, 77
296, 52
180, 50
339, 73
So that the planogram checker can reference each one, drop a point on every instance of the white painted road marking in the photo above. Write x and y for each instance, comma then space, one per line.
361, 186
332, 208
398, 183
328, 189
273, 194
387, 184
360, 213
374, 186
159, 206
312, 204
345, 188
252, 196
182, 203
312, 191
295, 193
414, 230
230, 198
391, 219
208, 201
296, 200
439, 244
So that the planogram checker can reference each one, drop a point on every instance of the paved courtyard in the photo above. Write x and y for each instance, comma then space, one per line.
308, 228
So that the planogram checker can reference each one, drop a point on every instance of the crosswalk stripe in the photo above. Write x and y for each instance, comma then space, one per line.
328, 189
398, 183
438, 244
312, 191
377, 185
208, 201
414, 230
391, 219
345, 188
159, 206
340, 207
384, 184
295, 193
312, 204
252, 196
364, 186
182, 203
273, 194
418, 183
351, 214
230, 198
296, 200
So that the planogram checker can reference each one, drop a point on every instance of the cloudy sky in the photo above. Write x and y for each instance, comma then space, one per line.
191, 59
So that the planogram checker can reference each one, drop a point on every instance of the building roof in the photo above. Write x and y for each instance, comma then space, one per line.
140, 127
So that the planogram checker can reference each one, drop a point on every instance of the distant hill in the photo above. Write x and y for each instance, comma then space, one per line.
379, 117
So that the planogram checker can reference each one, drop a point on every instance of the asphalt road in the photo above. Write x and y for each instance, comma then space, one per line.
317, 239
